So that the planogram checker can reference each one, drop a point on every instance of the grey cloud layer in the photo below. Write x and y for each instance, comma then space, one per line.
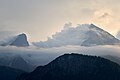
42, 56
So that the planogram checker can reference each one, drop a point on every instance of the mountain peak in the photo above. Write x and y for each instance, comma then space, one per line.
21, 41
76, 67
22, 34
83, 35
89, 26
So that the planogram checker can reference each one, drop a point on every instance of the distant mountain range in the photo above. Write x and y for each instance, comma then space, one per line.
16, 62
83, 35
76, 67
65, 67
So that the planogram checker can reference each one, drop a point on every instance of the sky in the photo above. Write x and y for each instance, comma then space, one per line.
42, 18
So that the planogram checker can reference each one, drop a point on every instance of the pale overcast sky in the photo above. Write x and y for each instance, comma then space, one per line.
42, 18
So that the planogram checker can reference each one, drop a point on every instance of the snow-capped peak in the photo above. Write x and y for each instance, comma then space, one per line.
84, 35
19, 40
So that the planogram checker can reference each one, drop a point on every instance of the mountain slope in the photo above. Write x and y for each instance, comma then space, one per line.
19, 41
7, 73
16, 62
76, 67
84, 35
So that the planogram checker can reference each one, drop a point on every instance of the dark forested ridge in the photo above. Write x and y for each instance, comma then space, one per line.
76, 67
7, 73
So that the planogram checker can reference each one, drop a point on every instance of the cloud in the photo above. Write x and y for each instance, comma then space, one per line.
84, 35
6, 36
42, 56
105, 15
68, 36
47, 17
67, 25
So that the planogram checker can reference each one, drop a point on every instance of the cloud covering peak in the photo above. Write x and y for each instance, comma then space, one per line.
19, 40
84, 35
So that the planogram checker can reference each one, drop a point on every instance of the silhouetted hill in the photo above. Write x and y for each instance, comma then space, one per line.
76, 67
7, 73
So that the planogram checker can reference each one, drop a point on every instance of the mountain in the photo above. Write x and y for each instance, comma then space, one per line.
118, 35
19, 63
113, 58
7, 73
83, 35
19, 41
97, 36
16, 62
76, 67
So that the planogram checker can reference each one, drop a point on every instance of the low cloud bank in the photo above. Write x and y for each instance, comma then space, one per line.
42, 56
6, 36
